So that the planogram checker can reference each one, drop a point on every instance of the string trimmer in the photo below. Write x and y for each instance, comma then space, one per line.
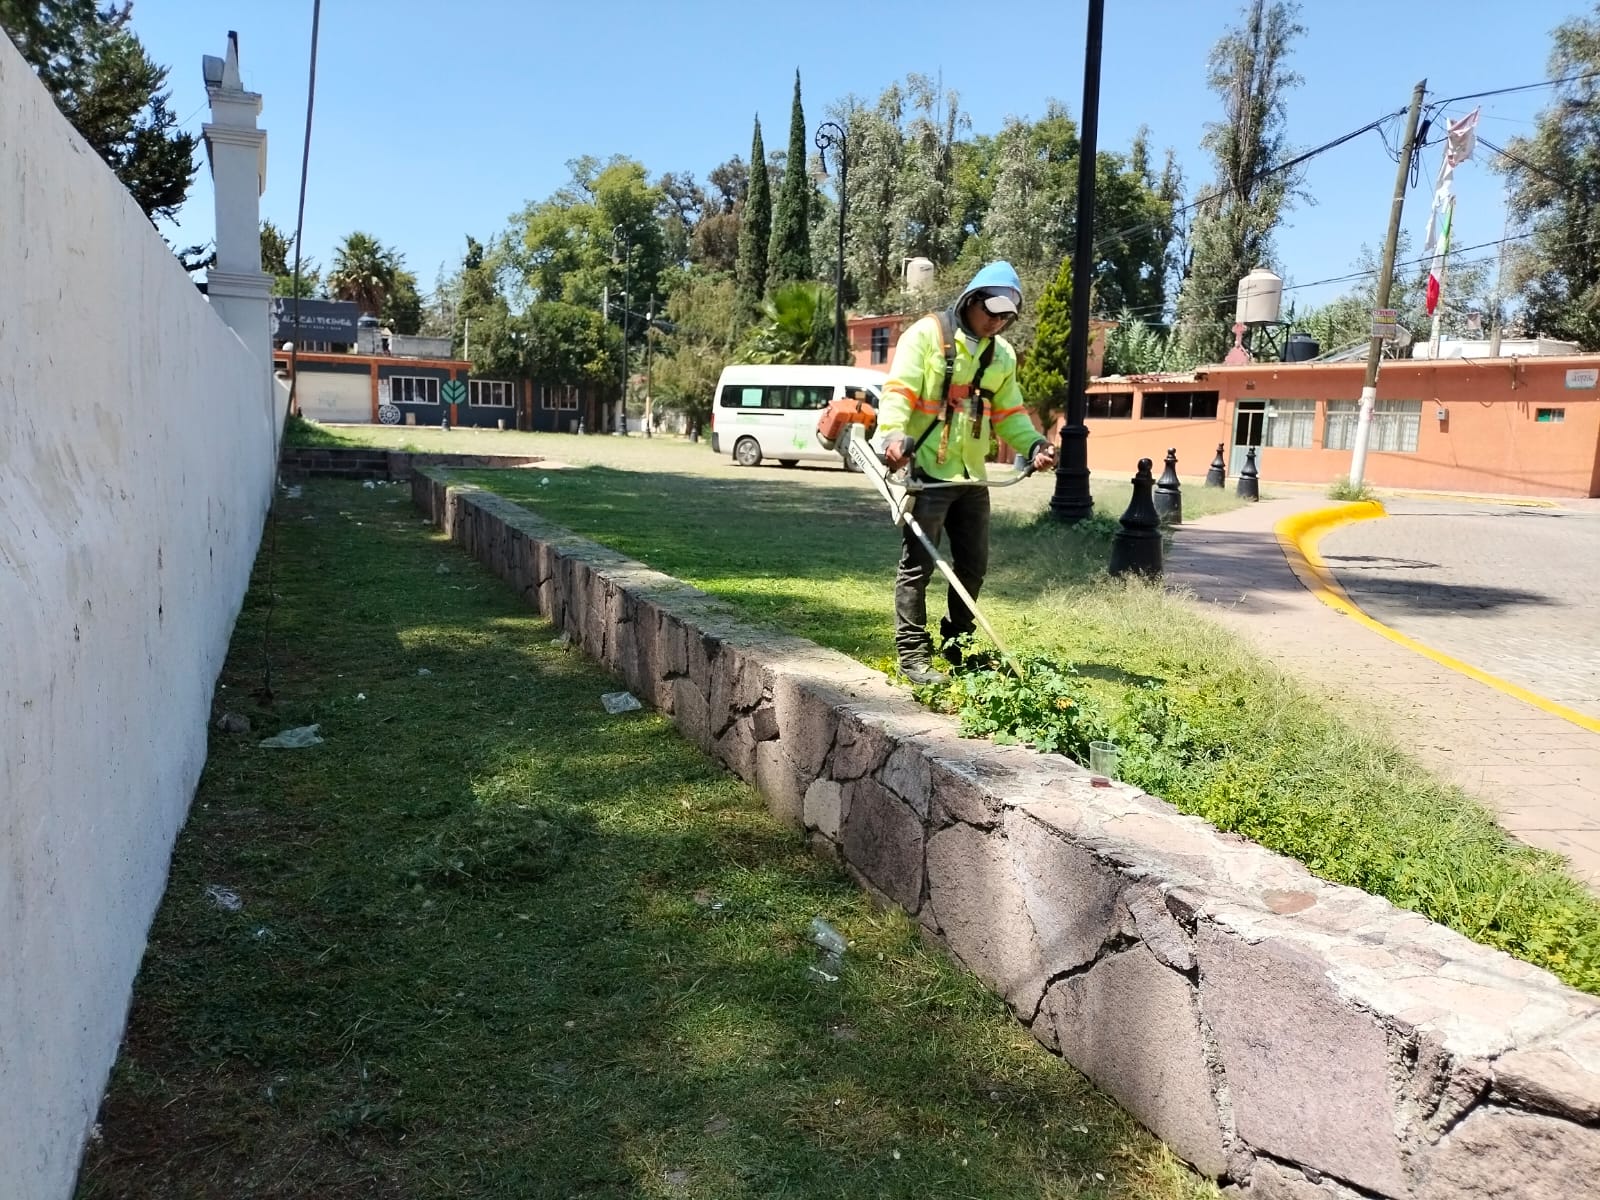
846, 425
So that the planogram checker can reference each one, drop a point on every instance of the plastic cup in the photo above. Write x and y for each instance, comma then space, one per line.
1103, 758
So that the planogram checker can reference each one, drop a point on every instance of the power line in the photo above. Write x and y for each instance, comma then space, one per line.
294, 360
1524, 87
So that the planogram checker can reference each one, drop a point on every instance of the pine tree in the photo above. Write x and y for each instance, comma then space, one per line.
1042, 375
755, 228
111, 90
790, 259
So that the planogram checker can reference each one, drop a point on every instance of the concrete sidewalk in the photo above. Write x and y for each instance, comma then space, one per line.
1540, 773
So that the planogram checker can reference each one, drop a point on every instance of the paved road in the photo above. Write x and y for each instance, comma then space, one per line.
1539, 773
1509, 590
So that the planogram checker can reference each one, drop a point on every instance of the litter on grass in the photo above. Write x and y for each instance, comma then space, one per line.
294, 739
620, 702
224, 898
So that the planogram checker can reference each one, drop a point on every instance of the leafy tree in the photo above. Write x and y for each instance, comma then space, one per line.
925, 206
796, 326
277, 260
364, 271
1553, 178
402, 307
1042, 374
755, 228
567, 343
790, 257
111, 90
877, 152
714, 241
565, 248
1233, 226
683, 204
704, 316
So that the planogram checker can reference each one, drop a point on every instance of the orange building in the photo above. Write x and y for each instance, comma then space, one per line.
1519, 426
872, 339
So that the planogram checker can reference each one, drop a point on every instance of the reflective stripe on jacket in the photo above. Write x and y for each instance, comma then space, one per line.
911, 402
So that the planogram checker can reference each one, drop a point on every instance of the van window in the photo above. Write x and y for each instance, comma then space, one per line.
807, 396
734, 396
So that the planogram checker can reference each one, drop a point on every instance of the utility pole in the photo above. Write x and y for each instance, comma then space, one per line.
1072, 501
1369, 389
649, 339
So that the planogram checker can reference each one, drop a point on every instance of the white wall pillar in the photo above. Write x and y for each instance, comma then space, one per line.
238, 289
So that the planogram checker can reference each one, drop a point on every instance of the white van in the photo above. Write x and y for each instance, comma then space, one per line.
770, 412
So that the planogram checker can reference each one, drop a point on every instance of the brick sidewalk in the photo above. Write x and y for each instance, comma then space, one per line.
1540, 773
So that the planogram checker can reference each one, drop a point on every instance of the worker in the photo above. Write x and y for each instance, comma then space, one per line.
952, 389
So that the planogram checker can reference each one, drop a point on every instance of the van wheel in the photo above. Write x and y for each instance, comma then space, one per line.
788, 462
747, 452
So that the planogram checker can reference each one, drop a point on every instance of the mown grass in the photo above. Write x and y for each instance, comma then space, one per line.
1203, 721
496, 943
303, 434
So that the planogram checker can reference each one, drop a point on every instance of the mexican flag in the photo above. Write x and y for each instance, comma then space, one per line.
1460, 141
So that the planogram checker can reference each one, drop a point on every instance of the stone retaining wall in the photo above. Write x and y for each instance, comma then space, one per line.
1293, 1038
363, 462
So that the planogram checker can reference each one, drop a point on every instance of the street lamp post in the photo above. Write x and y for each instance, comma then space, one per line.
831, 136
619, 234
1072, 501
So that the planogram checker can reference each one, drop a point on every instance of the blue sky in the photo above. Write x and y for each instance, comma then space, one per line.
434, 120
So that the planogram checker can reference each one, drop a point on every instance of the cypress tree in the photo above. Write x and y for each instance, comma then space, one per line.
790, 260
755, 228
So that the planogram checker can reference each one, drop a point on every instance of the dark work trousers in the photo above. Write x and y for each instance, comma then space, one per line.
963, 513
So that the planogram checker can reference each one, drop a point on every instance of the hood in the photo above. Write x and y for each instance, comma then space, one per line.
995, 276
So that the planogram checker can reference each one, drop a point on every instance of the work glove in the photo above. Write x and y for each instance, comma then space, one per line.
1043, 455
897, 452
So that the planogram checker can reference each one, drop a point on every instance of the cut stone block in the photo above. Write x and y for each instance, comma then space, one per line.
1560, 1077
806, 722
689, 713
1308, 1073
906, 774
982, 913
1498, 1153
861, 747
778, 781
883, 840
736, 747
1131, 1024
823, 804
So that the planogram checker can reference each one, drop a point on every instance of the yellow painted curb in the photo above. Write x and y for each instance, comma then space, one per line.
1300, 535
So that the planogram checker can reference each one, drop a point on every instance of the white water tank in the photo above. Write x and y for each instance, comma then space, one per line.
918, 274
1260, 298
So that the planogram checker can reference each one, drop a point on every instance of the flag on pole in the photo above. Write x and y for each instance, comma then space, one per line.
1460, 142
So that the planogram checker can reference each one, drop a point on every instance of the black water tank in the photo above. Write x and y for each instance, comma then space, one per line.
1301, 347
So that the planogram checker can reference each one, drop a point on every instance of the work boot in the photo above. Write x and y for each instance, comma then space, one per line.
919, 670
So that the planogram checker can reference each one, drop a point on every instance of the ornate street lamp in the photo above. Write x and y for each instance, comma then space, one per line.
830, 136
1072, 501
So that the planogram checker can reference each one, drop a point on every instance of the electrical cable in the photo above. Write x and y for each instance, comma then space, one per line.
294, 362
1524, 87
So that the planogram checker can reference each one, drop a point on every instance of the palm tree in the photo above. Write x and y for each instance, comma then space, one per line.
796, 326
364, 271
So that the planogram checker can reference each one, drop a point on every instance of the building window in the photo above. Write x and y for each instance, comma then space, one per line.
1550, 416
553, 396
880, 344
491, 393
1396, 425
413, 389
1109, 406
1289, 424
1179, 406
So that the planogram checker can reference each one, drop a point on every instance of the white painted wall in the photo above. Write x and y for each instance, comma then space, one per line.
135, 471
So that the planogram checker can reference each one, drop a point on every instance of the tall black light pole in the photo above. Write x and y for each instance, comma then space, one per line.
1072, 501
830, 136
619, 234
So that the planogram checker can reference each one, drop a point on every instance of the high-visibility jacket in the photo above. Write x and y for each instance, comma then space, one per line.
911, 402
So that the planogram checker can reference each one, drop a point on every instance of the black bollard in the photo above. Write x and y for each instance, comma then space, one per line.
1218, 475
1169, 492
1136, 547
1249, 478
